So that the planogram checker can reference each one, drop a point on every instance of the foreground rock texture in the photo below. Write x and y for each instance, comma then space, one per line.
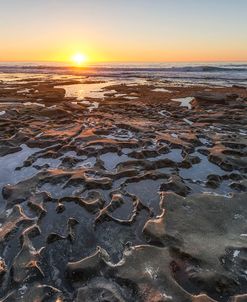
128, 197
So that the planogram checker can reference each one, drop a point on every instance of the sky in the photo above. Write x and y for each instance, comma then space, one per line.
123, 30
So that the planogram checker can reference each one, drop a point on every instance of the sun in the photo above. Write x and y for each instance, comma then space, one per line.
78, 59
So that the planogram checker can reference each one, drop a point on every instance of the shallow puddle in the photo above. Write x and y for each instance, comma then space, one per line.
161, 90
59, 191
111, 160
120, 134
201, 170
147, 191
9, 163
124, 212
184, 102
82, 91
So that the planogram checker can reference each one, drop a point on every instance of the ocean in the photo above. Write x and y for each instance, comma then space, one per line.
226, 74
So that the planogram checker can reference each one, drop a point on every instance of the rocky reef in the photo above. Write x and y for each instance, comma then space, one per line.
138, 195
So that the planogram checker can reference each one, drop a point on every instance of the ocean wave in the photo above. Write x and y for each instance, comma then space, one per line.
111, 68
224, 74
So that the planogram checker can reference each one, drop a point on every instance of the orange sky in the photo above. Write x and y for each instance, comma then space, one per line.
123, 31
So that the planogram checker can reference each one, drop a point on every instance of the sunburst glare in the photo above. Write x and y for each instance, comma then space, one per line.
79, 59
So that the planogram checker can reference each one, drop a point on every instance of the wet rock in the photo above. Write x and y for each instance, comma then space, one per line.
54, 237
5, 150
142, 266
214, 98
240, 186
155, 231
213, 181
60, 208
228, 158
36, 292
239, 86
54, 112
69, 162
189, 161
72, 222
102, 290
212, 281
239, 298
205, 271
36, 203
26, 263
74, 107
194, 250
3, 268
202, 298
14, 218
175, 184
87, 267
18, 193
92, 205
209, 206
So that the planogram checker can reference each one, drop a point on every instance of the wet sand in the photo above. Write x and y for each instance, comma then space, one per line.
132, 192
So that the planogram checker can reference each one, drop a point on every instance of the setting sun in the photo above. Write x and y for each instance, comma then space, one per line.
78, 59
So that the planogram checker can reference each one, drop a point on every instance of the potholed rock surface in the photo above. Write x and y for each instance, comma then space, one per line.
123, 201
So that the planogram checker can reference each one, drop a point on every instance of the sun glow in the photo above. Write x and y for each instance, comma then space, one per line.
78, 59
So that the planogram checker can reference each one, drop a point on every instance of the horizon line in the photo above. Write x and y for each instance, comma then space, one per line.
112, 62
